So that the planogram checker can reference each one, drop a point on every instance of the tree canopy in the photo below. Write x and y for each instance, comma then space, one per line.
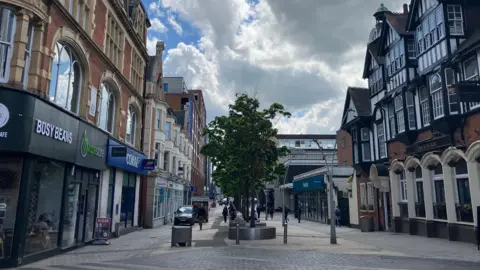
243, 148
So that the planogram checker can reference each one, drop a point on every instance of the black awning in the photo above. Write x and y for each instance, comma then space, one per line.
382, 169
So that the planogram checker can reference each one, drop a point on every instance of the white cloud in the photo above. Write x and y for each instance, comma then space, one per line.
302, 54
157, 26
175, 25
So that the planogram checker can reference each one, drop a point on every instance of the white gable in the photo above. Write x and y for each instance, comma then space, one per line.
351, 112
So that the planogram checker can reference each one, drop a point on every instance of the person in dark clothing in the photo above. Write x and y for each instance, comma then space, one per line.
202, 216
286, 215
338, 216
259, 210
271, 212
299, 214
225, 213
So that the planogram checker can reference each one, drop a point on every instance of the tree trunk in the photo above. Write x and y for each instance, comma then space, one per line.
252, 216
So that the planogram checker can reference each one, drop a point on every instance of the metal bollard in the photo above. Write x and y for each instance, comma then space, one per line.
238, 234
285, 233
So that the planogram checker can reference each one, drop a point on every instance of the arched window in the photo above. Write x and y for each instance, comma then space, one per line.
131, 125
437, 97
107, 108
66, 78
7, 31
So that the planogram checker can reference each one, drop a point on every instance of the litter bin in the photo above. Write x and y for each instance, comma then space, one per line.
366, 224
181, 236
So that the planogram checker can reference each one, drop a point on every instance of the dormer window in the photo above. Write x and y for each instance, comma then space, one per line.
455, 20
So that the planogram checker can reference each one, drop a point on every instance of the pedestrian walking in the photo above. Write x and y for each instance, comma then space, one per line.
299, 214
259, 210
338, 216
286, 215
271, 212
225, 213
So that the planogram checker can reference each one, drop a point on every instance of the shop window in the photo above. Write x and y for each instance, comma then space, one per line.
439, 205
44, 205
419, 198
128, 200
67, 78
158, 204
464, 200
131, 125
111, 191
363, 196
7, 31
10, 174
107, 108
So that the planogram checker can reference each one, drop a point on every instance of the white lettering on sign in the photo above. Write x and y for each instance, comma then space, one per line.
305, 184
52, 131
133, 160
3, 134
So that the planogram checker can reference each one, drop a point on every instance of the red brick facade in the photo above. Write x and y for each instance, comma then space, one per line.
344, 148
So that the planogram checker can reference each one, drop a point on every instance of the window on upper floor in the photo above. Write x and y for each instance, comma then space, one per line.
376, 81
452, 95
156, 155
382, 150
424, 106
342, 142
355, 145
139, 23
166, 161
175, 137
67, 78
409, 100
470, 73
168, 127
396, 57
435, 83
455, 20
391, 118
158, 118
114, 41
365, 141
412, 53
136, 72
131, 125
371, 196
363, 196
430, 30
107, 108
399, 114
7, 31
28, 55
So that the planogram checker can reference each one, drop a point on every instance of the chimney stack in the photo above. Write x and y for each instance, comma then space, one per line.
405, 9
160, 48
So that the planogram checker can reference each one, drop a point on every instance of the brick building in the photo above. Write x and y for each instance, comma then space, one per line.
422, 67
71, 102
181, 99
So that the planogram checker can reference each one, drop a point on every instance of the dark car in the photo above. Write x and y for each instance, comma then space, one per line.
184, 216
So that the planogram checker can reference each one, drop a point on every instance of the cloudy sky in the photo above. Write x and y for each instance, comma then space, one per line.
300, 53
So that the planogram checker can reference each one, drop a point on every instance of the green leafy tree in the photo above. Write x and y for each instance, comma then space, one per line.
243, 149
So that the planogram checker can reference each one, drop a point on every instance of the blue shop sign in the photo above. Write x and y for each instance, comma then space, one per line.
312, 183
124, 157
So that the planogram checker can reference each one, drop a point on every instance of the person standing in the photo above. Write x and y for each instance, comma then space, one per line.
225, 213
338, 215
299, 214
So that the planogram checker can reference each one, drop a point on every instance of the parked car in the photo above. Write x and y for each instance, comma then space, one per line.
184, 216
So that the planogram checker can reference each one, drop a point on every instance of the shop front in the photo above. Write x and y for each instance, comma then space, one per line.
123, 182
310, 197
50, 166
174, 199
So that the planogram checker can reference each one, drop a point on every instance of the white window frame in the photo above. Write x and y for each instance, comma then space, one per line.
365, 144
452, 95
420, 179
438, 107
158, 119
28, 55
398, 101
168, 131
455, 20
363, 194
110, 95
370, 195
11, 21
410, 102
472, 77
391, 120
412, 53
132, 126
382, 150
424, 106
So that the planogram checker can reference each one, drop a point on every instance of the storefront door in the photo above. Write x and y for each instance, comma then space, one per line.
128, 199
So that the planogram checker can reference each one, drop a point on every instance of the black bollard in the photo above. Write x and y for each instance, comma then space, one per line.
285, 233
238, 234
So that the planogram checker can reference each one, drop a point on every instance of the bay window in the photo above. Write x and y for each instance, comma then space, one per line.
412, 54
410, 110
437, 95
470, 73
424, 106
365, 140
382, 151
399, 114
452, 95
455, 20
